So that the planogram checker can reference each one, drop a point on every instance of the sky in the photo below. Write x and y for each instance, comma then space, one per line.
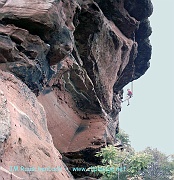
149, 120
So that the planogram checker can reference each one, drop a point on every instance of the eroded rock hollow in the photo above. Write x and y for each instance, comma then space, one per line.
63, 66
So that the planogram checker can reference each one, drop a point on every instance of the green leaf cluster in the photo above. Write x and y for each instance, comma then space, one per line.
149, 164
122, 163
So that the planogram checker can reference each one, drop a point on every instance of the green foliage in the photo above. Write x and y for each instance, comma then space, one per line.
124, 140
123, 137
171, 160
172, 175
111, 155
138, 162
150, 164
121, 163
113, 161
160, 167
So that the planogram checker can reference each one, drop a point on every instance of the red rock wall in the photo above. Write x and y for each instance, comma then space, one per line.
25, 139
75, 56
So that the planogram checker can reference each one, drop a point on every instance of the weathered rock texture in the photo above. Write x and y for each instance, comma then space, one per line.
25, 139
75, 56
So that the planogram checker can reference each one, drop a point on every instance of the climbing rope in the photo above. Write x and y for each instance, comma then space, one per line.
133, 76
132, 87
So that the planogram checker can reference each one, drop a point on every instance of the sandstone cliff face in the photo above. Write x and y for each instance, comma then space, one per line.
63, 65
25, 140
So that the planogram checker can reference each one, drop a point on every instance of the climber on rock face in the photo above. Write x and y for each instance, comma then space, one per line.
129, 95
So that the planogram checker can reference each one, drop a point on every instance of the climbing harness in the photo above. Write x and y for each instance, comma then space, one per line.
129, 96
